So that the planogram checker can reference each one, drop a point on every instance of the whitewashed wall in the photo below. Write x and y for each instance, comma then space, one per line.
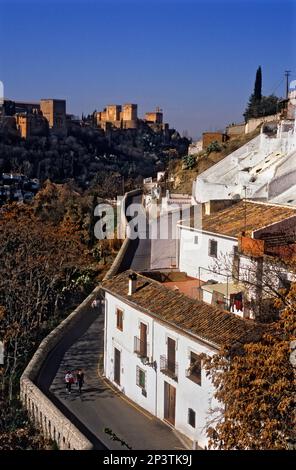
194, 256
188, 393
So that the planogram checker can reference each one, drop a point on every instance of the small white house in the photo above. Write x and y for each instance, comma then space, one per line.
211, 249
154, 341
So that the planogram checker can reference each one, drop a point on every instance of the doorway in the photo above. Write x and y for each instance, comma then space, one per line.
169, 403
117, 366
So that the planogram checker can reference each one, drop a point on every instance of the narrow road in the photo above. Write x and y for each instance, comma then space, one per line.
142, 245
164, 246
100, 406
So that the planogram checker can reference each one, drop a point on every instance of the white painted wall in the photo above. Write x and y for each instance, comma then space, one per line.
124, 342
188, 393
193, 256
254, 165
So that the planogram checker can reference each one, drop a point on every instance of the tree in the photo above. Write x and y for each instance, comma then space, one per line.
259, 105
255, 389
40, 261
263, 279
258, 86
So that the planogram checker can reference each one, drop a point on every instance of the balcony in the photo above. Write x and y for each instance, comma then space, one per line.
169, 368
140, 347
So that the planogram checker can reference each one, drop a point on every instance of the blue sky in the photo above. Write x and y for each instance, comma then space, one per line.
196, 59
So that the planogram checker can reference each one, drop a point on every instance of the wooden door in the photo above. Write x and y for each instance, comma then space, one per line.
169, 403
171, 355
117, 366
143, 339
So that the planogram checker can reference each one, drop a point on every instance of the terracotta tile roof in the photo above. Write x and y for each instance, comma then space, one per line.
195, 317
231, 221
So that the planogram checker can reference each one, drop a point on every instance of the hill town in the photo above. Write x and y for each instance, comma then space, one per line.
147, 232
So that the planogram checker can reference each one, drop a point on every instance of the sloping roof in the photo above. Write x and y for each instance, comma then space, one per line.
224, 288
195, 317
231, 221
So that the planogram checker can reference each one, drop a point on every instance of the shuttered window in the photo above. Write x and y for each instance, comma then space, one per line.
119, 319
141, 378
191, 417
194, 371
213, 248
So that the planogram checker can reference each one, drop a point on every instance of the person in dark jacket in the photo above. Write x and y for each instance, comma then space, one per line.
80, 379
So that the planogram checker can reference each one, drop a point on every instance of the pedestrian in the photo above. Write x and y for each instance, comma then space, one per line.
80, 379
69, 379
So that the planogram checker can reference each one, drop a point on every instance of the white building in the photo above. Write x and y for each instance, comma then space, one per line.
154, 339
264, 168
195, 147
209, 248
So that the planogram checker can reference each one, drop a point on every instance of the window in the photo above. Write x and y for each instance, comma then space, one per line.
284, 282
196, 240
141, 378
119, 319
194, 370
191, 417
213, 248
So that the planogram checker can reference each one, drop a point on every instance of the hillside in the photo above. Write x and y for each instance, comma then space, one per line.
91, 157
184, 177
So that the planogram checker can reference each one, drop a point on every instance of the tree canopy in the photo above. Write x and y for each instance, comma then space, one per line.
255, 389
258, 104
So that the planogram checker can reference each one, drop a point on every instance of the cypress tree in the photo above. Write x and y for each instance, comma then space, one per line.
258, 85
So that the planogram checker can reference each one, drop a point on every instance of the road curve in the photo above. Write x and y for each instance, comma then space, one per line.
100, 406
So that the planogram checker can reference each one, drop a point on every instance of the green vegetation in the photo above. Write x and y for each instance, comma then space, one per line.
214, 147
259, 105
188, 162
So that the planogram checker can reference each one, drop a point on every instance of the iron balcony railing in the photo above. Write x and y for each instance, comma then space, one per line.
140, 347
168, 367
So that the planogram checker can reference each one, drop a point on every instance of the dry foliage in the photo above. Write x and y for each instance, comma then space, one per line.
255, 389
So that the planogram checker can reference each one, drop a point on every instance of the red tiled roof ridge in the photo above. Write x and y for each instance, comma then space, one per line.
199, 324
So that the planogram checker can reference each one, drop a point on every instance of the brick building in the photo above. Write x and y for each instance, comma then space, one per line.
30, 125
55, 112
125, 116
209, 137
155, 117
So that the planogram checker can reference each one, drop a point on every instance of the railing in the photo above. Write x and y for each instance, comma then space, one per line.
140, 347
168, 367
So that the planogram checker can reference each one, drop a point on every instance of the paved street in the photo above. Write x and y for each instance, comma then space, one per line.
163, 250
99, 406
142, 245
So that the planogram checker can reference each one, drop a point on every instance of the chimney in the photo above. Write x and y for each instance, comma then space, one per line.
132, 283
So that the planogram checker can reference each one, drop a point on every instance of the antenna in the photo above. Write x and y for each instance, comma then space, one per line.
287, 75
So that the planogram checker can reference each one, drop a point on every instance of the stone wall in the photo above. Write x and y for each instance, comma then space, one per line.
253, 123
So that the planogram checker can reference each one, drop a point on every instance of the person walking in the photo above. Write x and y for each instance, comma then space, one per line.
80, 379
69, 379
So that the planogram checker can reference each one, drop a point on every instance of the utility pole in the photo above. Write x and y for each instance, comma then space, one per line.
245, 210
287, 75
